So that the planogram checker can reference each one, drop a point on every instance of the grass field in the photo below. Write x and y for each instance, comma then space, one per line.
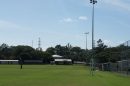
52, 75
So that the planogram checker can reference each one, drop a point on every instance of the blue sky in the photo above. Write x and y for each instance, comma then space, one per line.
63, 21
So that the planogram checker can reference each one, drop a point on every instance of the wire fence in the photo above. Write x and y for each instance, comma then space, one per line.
121, 66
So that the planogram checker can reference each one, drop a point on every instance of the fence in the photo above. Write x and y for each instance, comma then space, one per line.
120, 66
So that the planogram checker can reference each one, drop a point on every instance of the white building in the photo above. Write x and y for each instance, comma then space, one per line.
60, 60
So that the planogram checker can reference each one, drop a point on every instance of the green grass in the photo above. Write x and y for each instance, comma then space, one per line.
52, 75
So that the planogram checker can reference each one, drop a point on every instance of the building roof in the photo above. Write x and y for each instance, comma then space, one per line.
61, 60
57, 56
9, 60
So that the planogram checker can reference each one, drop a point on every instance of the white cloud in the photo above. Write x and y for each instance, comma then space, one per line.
112, 43
107, 42
70, 20
10, 25
67, 20
118, 3
7, 24
84, 18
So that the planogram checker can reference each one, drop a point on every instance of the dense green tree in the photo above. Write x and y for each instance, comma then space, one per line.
51, 50
99, 52
100, 46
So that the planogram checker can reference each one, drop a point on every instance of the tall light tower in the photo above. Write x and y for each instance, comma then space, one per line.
93, 3
92, 60
86, 40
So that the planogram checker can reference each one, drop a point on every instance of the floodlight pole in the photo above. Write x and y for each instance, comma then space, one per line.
86, 40
93, 3
92, 60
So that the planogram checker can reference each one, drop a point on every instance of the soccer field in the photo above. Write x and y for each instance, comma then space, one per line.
53, 75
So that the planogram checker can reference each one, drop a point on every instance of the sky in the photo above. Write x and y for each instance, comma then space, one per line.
63, 22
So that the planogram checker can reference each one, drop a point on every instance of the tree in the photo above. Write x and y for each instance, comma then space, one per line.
50, 50
22, 50
5, 51
46, 57
76, 53
99, 53
100, 46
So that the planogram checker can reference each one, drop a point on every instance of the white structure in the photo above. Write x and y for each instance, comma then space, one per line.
57, 56
63, 61
60, 60
9, 61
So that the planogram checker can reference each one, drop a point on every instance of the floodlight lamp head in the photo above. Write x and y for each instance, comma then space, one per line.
91, 1
94, 1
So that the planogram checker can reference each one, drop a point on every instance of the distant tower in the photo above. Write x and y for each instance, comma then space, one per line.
39, 45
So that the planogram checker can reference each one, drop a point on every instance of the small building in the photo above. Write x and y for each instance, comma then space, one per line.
9, 61
59, 60
63, 61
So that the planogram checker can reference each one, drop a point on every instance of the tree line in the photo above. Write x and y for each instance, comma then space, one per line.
101, 53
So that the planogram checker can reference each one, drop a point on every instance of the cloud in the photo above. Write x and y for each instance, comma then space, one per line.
7, 24
107, 42
10, 25
83, 18
118, 3
112, 43
70, 20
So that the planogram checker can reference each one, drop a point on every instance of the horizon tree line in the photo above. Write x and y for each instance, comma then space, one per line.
102, 53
